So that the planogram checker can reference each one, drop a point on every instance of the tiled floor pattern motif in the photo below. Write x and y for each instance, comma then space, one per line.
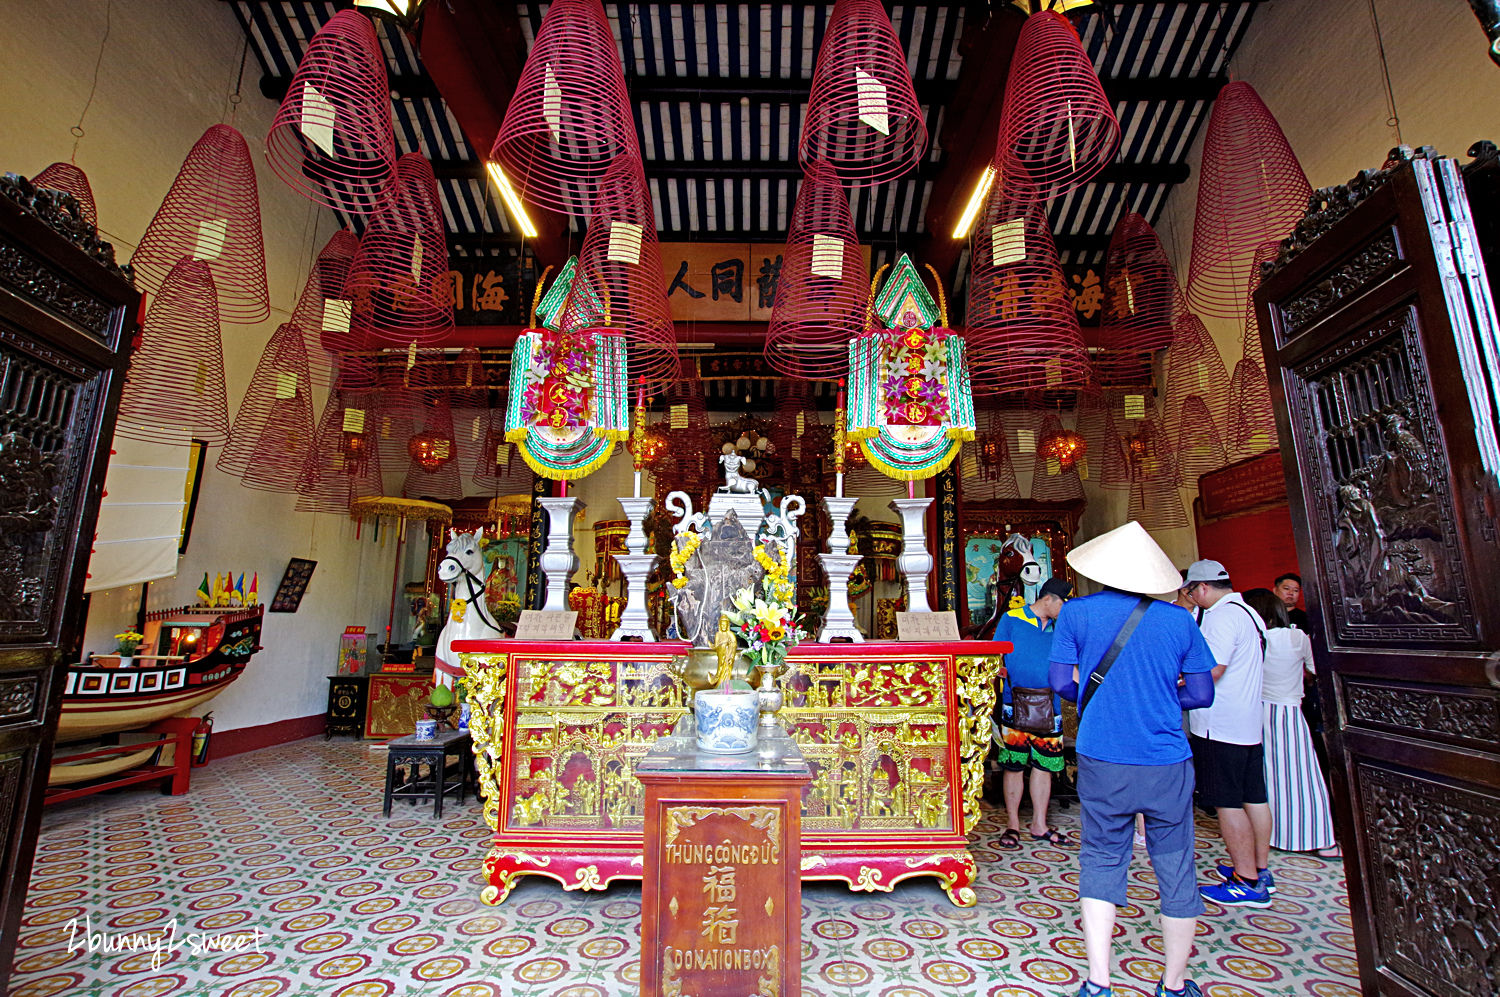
290, 841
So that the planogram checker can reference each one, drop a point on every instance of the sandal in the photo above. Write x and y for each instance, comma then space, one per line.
1010, 840
1052, 837
1335, 852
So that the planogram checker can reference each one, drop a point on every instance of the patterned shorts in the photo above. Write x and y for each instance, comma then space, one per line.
1021, 749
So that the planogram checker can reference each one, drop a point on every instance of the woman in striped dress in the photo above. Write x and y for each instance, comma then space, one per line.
1302, 819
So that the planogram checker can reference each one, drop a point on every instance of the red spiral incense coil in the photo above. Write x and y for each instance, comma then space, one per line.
1097, 424
323, 313
174, 390
1194, 368
1023, 333
823, 287
1251, 347
619, 289
863, 117
1057, 128
1252, 420
1142, 303
434, 465
332, 140
211, 213
345, 461
70, 180
272, 434
570, 117
398, 280
1199, 445
996, 478
1155, 500
1251, 190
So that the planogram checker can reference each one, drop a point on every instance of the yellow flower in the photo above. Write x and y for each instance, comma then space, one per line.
678, 583
776, 633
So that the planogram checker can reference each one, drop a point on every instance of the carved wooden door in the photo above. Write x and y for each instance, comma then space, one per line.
1382, 352
66, 323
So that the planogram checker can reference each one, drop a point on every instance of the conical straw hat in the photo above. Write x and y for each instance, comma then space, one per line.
1127, 559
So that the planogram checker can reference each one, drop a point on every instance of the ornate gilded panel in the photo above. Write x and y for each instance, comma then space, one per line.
41, 466
1382, 511
1434, 881
1472, 716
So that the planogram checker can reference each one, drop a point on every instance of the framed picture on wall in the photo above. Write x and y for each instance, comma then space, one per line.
293, 585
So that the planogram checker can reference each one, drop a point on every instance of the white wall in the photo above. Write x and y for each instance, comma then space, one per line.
168, 67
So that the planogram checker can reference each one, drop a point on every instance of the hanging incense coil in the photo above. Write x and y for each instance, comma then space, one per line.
1142, 303
1252, 420
1194, 368
434, 463
1251, 347
1057, 128
70, 180
1156, 503
1251, 190
174, 389
323, 313
863, 117
272, 435
1107, 464
619, 289
992, 473
398, 280
685, 450
345, 461
332, 140
570, 117
1023, 333
211, 213
1199, 446
823, 287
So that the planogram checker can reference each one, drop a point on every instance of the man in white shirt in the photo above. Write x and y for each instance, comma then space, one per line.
1226, 737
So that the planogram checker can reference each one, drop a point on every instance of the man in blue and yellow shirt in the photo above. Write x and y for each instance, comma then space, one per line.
1029, 629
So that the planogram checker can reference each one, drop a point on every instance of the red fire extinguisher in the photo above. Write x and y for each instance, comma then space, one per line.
200, 738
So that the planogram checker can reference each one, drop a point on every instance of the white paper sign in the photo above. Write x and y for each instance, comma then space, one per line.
1008, 243
354, 420
318, 118
541, 624
286, 384
1025, 441
927, 626
624, 242
212, 233
828, 256
552, 103
336, 314
874, 107
1135, 406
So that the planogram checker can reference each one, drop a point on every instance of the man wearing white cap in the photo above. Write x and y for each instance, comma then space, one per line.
1128, 652
1226, 737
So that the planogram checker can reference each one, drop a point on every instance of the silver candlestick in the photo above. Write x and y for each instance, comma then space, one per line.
635, 565
558, 561
839, 565
915, 561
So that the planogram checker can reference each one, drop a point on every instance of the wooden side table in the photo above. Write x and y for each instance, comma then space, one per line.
721, 888
405, 759
346, 705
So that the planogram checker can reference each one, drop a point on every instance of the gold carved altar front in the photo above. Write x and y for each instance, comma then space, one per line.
895, 734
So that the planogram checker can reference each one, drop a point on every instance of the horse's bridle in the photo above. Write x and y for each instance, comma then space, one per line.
476, 584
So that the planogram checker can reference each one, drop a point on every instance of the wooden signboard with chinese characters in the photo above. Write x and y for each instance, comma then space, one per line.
723, 282
721, 888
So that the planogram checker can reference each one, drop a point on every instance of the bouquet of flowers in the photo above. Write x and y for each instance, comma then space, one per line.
127, 642
766, 624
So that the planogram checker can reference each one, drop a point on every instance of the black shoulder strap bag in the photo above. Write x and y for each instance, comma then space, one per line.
1096, 677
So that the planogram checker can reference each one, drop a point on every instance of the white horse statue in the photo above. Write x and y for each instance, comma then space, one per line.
466, 570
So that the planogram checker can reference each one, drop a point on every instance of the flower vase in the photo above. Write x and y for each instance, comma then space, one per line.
126, 660
726, 720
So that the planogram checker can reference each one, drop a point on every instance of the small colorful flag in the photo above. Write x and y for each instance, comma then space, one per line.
204, 592
252, 598
239, 588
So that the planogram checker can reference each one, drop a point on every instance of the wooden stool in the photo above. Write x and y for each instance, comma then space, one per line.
409, 755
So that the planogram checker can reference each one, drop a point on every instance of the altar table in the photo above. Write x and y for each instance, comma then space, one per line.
895, 734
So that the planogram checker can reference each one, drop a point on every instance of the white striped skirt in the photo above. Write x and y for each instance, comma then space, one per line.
1298, 792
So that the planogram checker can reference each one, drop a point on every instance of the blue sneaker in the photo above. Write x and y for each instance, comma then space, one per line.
1091, 989
1236, 894
1189, 989
1265, 881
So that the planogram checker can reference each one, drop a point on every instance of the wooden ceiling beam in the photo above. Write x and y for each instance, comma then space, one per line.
474, 52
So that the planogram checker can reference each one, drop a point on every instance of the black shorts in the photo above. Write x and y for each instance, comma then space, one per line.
1229, 775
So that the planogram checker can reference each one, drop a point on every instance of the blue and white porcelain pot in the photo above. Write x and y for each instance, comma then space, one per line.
426, 730
727, 720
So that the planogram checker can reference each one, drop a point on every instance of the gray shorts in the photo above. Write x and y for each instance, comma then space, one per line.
1109, 796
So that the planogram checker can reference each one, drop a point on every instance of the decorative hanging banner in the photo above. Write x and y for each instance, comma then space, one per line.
910, 404
567, 405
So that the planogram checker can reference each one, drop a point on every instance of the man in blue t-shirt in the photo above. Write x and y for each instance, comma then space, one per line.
1133, 757
1029, 629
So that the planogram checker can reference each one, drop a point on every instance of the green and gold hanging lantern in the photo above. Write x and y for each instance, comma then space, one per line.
568, 402
910, 403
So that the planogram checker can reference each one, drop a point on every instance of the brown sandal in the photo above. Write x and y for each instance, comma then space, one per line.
1053, 837
1010, 840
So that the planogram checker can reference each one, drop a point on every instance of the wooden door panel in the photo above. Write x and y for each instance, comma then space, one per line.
1383, 355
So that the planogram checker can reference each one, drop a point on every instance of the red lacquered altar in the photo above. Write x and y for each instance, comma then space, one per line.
895, 733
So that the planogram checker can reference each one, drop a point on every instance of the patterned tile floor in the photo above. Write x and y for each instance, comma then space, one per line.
285, 851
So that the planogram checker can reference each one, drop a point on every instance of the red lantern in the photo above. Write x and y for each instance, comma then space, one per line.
1052, 480
863, 118
1057, 128
332, 140
212, 214
822, 288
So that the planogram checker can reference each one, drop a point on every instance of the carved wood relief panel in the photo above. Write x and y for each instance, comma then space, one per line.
1382, 511
1468, 716
1435, 880
1341, 283
42, 460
